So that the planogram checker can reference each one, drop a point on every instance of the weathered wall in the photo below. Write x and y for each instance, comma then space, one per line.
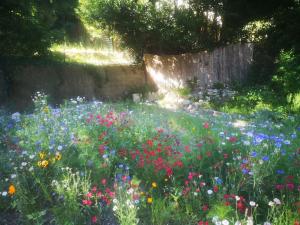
228, 64
67, 81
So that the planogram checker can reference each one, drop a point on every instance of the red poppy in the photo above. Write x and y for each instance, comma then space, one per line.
241, 206
169, 171
204, 208
150, 143
227, 203
215, 188
208, 154
232, 139
226, 196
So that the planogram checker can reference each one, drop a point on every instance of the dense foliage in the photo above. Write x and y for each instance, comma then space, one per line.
29, 27
170, 27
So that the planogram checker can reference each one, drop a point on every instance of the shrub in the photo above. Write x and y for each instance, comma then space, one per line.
286, 80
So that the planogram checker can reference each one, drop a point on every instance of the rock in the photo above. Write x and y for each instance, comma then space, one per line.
186, 102
136, 97
152, 96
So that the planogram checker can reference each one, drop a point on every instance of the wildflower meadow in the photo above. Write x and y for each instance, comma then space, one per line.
133, 164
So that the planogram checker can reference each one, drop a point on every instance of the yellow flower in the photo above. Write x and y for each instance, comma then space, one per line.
149, 200
39, 163
46, 109
11, 189
45, 163
142, 193
58, 156
42, 155
154, 184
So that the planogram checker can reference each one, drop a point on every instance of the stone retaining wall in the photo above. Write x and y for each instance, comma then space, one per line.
67, 81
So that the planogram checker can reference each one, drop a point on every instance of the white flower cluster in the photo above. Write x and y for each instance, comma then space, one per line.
275, 202
217, 221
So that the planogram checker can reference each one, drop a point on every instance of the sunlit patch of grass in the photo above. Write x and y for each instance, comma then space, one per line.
92, 55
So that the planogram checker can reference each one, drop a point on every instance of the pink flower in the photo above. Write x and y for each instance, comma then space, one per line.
94, 189
279, 187
94, 219
87, 202
290, 186
89, 195
206, 125
187, 149
103, 181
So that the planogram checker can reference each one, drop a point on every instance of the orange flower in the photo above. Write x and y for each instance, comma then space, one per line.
11, 189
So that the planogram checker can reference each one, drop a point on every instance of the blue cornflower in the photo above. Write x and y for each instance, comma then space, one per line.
245, 171
253, 154
280, 172
245, 160
118, 176
218, 180
278, 144
265, 158
283, 152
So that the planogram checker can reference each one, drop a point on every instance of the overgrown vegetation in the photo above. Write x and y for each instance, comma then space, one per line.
282, 94
86, 163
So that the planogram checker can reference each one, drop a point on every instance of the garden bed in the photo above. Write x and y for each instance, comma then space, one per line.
84, 163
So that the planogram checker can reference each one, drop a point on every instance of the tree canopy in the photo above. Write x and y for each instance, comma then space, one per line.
160, 26
29, 27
